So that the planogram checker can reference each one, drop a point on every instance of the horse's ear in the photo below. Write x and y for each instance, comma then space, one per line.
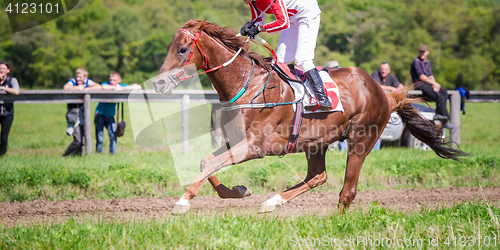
200, 24
191, 23
203, 23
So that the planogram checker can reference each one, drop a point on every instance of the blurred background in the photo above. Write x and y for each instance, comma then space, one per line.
131, 37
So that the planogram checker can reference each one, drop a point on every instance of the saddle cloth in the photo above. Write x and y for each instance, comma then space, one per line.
330, 87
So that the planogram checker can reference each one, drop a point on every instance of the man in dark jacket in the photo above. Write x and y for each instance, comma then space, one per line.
388, 81
423, 80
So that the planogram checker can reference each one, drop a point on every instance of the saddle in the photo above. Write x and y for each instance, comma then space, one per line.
288, 72
302, 88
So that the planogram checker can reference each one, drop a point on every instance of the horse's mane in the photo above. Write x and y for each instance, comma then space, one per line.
227, 36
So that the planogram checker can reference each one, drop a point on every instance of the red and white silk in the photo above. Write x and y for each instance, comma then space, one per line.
298, 21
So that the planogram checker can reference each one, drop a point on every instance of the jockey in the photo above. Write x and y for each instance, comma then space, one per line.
298, 21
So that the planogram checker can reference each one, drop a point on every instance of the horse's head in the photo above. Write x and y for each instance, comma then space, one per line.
182, 51
193, 45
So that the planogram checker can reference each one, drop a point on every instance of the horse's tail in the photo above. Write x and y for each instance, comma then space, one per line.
421, 128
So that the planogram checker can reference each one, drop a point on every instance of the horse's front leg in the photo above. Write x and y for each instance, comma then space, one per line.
239, 153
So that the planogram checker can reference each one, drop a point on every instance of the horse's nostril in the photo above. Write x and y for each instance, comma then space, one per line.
159, 83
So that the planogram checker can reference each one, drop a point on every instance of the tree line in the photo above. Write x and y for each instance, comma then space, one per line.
131, 37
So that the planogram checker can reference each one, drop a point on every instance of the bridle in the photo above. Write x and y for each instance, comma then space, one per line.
195, 40
177, 79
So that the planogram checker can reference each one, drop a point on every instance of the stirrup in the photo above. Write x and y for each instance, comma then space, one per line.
312, 106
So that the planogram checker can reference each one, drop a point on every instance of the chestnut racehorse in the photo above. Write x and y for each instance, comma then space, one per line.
367, 110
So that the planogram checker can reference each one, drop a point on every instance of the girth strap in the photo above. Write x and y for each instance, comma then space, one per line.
297, 123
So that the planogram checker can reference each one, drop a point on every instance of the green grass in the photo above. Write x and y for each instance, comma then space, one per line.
147, 174
418, 230
33, 168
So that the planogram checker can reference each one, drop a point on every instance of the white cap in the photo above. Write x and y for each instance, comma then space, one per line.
332, 64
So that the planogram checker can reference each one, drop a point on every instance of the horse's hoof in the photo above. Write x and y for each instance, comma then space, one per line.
180, 209
244, 191
264, 208
270, 205
181, 206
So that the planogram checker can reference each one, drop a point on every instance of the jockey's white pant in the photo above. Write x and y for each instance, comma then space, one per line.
298, 42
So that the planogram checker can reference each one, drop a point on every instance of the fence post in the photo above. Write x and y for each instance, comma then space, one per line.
87, 126
455, 102
185, 124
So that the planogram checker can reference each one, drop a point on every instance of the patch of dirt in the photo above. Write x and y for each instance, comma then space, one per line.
323, 203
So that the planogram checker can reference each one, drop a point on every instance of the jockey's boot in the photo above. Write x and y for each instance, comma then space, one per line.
317, 86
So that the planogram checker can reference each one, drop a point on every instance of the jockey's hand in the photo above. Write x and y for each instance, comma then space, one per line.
253, 31
245, 28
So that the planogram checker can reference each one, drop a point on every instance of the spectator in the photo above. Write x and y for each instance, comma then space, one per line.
75, 111
421, 75
387, 81
10, 85
105, 112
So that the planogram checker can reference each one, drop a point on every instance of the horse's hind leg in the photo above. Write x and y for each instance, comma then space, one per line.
226, 193
360, 145
316, 175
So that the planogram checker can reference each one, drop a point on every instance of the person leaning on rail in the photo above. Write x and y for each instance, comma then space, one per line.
105, 113
10, 85
74, 116
423, 79
387, 81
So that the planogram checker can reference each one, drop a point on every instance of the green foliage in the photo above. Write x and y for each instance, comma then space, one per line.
131, 37
461, 36
79, 179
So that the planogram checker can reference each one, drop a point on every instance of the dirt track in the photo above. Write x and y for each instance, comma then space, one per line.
325, 203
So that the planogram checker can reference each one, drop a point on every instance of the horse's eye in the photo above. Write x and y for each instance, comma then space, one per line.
182, 50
